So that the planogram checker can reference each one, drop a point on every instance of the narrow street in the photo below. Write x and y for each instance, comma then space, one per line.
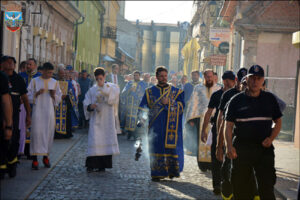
128, 179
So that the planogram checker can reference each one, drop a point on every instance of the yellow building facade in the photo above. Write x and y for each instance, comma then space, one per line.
109, 32
88, 35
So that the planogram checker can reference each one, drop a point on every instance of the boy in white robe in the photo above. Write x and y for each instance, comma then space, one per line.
44, 93
99, 105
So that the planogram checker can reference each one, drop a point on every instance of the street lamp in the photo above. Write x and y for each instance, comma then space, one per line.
212, 8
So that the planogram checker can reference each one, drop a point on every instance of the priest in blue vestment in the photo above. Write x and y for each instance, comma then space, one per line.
132, 94
164, 104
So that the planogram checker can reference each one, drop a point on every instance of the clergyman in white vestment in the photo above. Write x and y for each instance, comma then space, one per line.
44, 93
99, 104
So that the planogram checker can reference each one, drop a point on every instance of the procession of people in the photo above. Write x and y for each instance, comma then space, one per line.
228, 126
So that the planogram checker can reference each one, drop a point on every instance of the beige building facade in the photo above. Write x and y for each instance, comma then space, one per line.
47, 32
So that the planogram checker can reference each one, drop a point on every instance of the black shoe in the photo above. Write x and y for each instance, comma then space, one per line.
89, 169
101, 170
29, 157
12, 170
217, 191
171, 176
2, 174
155, 179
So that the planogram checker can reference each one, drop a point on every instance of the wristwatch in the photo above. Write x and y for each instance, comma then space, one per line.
9, 127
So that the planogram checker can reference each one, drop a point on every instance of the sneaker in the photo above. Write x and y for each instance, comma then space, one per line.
46, 162
12, 170
35, 165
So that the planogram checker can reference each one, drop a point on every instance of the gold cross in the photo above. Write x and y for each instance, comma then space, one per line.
171, 136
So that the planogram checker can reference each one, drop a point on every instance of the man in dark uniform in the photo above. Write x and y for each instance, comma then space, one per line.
228, 81
5, 119
226, 188
251, 114
18, 91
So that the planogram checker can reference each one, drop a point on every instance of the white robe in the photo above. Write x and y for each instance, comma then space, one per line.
43, 114
102, 139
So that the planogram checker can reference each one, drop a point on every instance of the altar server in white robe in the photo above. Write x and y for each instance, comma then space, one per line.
44, 93
99, 104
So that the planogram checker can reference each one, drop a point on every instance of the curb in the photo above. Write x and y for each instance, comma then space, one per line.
54, 165
277, 192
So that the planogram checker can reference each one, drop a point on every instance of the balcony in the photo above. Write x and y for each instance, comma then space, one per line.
110, 32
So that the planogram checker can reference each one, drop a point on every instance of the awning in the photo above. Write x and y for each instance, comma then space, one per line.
127, 54
108, 58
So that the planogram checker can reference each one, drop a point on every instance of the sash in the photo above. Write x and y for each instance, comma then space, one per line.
172, 121
61, 111
61, 117
74, 103
172, 118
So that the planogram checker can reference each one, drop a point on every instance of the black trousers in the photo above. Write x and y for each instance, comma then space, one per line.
82, 120
226, 186
215, 163
99, 162
261, 160
9, 149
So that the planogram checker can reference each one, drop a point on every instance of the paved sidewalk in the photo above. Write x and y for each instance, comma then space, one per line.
27, 179
287, 169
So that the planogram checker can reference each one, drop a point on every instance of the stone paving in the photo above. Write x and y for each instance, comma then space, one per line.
128, 179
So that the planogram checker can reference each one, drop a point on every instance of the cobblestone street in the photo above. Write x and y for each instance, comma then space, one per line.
127, 179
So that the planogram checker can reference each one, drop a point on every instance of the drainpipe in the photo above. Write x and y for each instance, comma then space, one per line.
76, 33
101, 34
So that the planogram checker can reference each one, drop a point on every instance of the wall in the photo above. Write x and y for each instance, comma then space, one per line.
277, 51
89, 49
297, 120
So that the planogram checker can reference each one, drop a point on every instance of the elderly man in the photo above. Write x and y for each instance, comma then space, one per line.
63, 120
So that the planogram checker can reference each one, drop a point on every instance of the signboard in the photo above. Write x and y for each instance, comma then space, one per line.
219, 60
224, 47
219, 34
13, 17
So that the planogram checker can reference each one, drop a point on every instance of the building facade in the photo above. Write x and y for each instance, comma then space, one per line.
47, 32
160, 44
109, 32
87, 40
263, 32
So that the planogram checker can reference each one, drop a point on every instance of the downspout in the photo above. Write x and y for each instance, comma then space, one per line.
76, 33
101, 34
